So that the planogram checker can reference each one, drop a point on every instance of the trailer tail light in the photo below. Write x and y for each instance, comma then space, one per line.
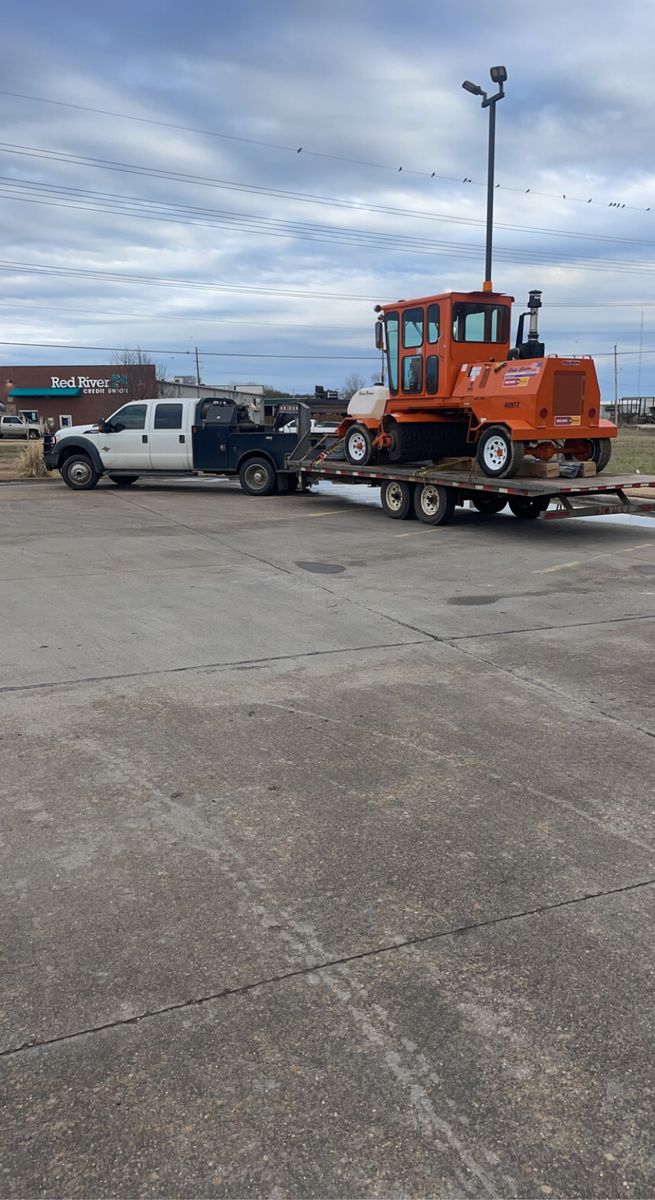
592, 413
543, 413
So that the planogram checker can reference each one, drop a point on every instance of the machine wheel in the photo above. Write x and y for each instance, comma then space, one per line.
123, 480
397, 499
526, 509
257, 477
497, 455
79, 473
601, 453
488, 504
359, 446
434, 505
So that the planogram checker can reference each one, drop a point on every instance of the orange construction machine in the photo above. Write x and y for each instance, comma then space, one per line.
457, 388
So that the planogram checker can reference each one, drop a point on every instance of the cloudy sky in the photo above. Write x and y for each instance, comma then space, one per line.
154, 194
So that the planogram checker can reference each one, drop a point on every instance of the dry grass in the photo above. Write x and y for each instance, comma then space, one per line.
22, 460
633, 450
30, 464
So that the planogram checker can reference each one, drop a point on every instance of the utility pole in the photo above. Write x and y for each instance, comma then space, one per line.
499, 77
616, 389
197, 373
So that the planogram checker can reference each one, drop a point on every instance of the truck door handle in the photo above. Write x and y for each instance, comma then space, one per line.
182, 438
144, 437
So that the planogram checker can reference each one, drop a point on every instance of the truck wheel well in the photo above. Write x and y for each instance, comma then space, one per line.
68, 450
255, 454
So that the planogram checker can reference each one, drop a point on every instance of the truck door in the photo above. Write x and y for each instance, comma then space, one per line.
124, 446
170, 440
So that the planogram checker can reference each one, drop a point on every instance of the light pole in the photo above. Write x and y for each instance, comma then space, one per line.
499, 77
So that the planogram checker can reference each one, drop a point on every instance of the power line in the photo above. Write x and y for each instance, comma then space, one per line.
274, 227
75, 193
148, 316
115, 276
307, 153
278, 193
203, 353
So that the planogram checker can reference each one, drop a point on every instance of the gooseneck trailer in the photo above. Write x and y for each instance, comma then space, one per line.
433, 492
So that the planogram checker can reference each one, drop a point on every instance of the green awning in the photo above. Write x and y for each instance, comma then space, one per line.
24, 393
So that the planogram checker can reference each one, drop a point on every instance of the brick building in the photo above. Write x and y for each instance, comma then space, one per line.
66, 395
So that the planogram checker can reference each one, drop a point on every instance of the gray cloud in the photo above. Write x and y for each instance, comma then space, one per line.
346, 81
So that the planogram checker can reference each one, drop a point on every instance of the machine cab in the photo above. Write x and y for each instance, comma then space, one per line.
428, 340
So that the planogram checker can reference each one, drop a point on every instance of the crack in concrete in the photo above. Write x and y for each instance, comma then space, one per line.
227, 666
363, 955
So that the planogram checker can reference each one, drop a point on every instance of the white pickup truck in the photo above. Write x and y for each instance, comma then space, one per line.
18, 427
174, 437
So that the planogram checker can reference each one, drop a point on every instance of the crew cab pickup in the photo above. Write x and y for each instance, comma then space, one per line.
173, 438
18, 427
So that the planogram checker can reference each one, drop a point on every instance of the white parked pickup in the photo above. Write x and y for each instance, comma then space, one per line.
17, 427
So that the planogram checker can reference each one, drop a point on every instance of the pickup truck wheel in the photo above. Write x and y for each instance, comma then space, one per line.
397, 499
488, 504
434, 505
257, 477
79, 473
497, 455
123, 480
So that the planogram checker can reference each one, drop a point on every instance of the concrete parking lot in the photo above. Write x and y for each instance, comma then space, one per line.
327, 849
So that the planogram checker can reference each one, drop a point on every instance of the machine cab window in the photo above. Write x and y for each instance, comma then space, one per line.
473, 322
413, 328
413, 373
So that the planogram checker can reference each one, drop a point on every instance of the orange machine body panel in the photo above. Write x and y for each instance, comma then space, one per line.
448, 359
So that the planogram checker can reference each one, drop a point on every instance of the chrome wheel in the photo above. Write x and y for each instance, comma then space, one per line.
80, 473
395, 497
257, 477
430, 500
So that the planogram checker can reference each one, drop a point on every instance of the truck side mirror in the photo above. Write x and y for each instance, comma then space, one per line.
102, 425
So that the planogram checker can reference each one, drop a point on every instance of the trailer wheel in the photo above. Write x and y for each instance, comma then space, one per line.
488, 504
397, 498
601, 453
359, 446
526, 509
497, 455
257, 477
434, 505
79, 473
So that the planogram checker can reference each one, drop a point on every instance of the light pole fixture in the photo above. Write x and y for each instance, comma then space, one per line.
499, 77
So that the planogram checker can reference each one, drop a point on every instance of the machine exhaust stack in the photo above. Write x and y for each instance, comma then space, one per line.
533, 348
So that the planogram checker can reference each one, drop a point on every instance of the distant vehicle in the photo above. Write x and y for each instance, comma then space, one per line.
16, 427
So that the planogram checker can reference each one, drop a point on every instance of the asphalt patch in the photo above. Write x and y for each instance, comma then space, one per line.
322, 568
466, 600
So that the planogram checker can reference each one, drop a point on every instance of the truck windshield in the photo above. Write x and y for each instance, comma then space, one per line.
480, 322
